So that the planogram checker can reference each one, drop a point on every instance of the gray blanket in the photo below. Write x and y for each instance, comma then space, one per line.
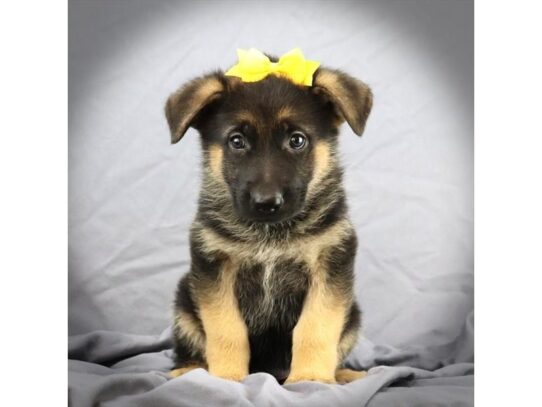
409, 181
130, 370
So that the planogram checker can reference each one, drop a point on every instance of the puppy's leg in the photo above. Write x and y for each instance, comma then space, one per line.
188, 335
189, 343
350, 332
348, 340
227, 348
315, 349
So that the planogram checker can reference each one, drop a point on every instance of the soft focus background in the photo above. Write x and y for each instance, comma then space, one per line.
409, 179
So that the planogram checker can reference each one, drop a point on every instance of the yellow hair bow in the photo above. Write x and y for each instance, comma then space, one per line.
254, 66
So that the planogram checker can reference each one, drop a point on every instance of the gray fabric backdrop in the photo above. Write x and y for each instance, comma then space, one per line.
409, 181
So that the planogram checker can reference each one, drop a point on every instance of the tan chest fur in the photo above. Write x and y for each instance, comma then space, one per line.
306, 249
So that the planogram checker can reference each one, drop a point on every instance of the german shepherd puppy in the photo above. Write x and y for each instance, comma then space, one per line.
270, 287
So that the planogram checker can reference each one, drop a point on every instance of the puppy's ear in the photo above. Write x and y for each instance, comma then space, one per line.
351, 97
183, 106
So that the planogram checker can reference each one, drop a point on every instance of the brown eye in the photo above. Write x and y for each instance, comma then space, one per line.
298, 140
237, 141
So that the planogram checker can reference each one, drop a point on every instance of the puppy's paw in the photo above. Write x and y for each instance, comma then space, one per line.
236, 376
185, 369
310, 377
343, 376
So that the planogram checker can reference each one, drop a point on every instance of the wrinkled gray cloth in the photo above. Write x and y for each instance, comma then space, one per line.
130, 370
409, 180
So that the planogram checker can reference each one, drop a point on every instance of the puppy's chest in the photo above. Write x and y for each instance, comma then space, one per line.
271, 294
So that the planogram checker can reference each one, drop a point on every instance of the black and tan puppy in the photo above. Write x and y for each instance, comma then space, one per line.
270, 287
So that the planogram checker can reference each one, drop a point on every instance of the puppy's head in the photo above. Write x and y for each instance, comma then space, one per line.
270, 143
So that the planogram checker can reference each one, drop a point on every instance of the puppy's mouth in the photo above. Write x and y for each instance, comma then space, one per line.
271, 218
272, 212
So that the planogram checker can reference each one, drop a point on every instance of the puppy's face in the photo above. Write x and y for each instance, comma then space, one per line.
269, 141
267, 133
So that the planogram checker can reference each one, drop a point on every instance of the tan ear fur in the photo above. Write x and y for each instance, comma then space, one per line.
352, 97
183, 106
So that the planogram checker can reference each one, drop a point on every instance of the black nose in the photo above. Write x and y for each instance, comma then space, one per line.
267, 203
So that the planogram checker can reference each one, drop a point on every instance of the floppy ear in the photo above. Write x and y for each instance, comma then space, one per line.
183, 106
352, 98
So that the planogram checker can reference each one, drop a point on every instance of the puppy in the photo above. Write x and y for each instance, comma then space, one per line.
270, 288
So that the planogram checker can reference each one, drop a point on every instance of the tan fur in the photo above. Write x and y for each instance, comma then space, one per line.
179, 372
227, 348
306, 249
322, 159
215, 162
285, 113
247, 116
189, 329
344, 376
329, 81
316, 336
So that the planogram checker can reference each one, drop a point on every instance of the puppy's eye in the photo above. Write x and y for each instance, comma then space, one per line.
298, 140
237, 141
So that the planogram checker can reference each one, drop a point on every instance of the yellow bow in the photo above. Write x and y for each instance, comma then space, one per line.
254, 66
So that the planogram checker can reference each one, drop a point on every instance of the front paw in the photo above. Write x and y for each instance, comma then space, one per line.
234, 375
310, 377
